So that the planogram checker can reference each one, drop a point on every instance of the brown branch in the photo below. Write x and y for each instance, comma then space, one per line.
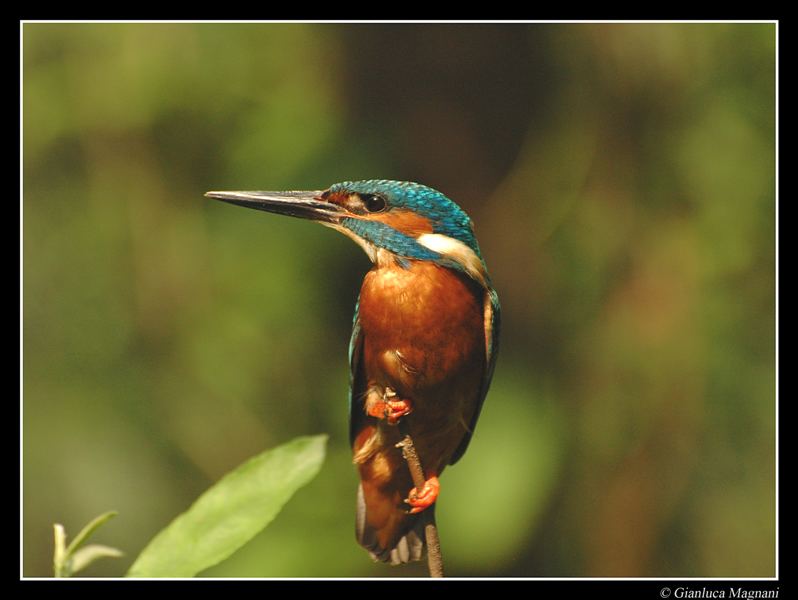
434, 557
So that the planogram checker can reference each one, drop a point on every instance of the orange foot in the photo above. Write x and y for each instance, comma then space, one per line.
388, 408
426, 497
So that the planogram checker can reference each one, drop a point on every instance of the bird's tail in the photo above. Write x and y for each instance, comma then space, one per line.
400, 537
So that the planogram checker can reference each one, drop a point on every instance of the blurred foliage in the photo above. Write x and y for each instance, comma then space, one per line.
622, 182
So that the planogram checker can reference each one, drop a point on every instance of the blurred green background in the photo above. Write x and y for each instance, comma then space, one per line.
621, 179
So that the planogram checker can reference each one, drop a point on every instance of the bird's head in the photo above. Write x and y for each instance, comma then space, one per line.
390, 220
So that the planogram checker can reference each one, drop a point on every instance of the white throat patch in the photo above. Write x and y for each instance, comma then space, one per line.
368, 247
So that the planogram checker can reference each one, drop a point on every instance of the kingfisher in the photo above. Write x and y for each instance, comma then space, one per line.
423, 346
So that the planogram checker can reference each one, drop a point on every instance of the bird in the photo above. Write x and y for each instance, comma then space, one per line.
423, 348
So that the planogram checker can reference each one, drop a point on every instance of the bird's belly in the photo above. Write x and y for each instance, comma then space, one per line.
422, 326
423, 337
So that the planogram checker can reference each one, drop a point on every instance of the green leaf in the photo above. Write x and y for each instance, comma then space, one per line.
88, 554
67, 560
231, 512
89, 529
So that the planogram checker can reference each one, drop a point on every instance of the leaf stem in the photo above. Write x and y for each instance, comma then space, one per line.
60, 556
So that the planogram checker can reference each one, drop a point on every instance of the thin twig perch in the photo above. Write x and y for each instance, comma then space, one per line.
434, 558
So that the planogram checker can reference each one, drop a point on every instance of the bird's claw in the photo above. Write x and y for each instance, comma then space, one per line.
387, 408
426, 497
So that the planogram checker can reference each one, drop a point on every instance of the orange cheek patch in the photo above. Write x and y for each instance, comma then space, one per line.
405, 221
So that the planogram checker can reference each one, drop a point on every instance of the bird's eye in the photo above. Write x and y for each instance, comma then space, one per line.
373, 202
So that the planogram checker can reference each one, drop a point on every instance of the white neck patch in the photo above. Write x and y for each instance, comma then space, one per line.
442, 244
456, 251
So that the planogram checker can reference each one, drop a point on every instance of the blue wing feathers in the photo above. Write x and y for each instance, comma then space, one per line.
356, 414
492, 327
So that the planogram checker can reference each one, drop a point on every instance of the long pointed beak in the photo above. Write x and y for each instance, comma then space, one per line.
305, 205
